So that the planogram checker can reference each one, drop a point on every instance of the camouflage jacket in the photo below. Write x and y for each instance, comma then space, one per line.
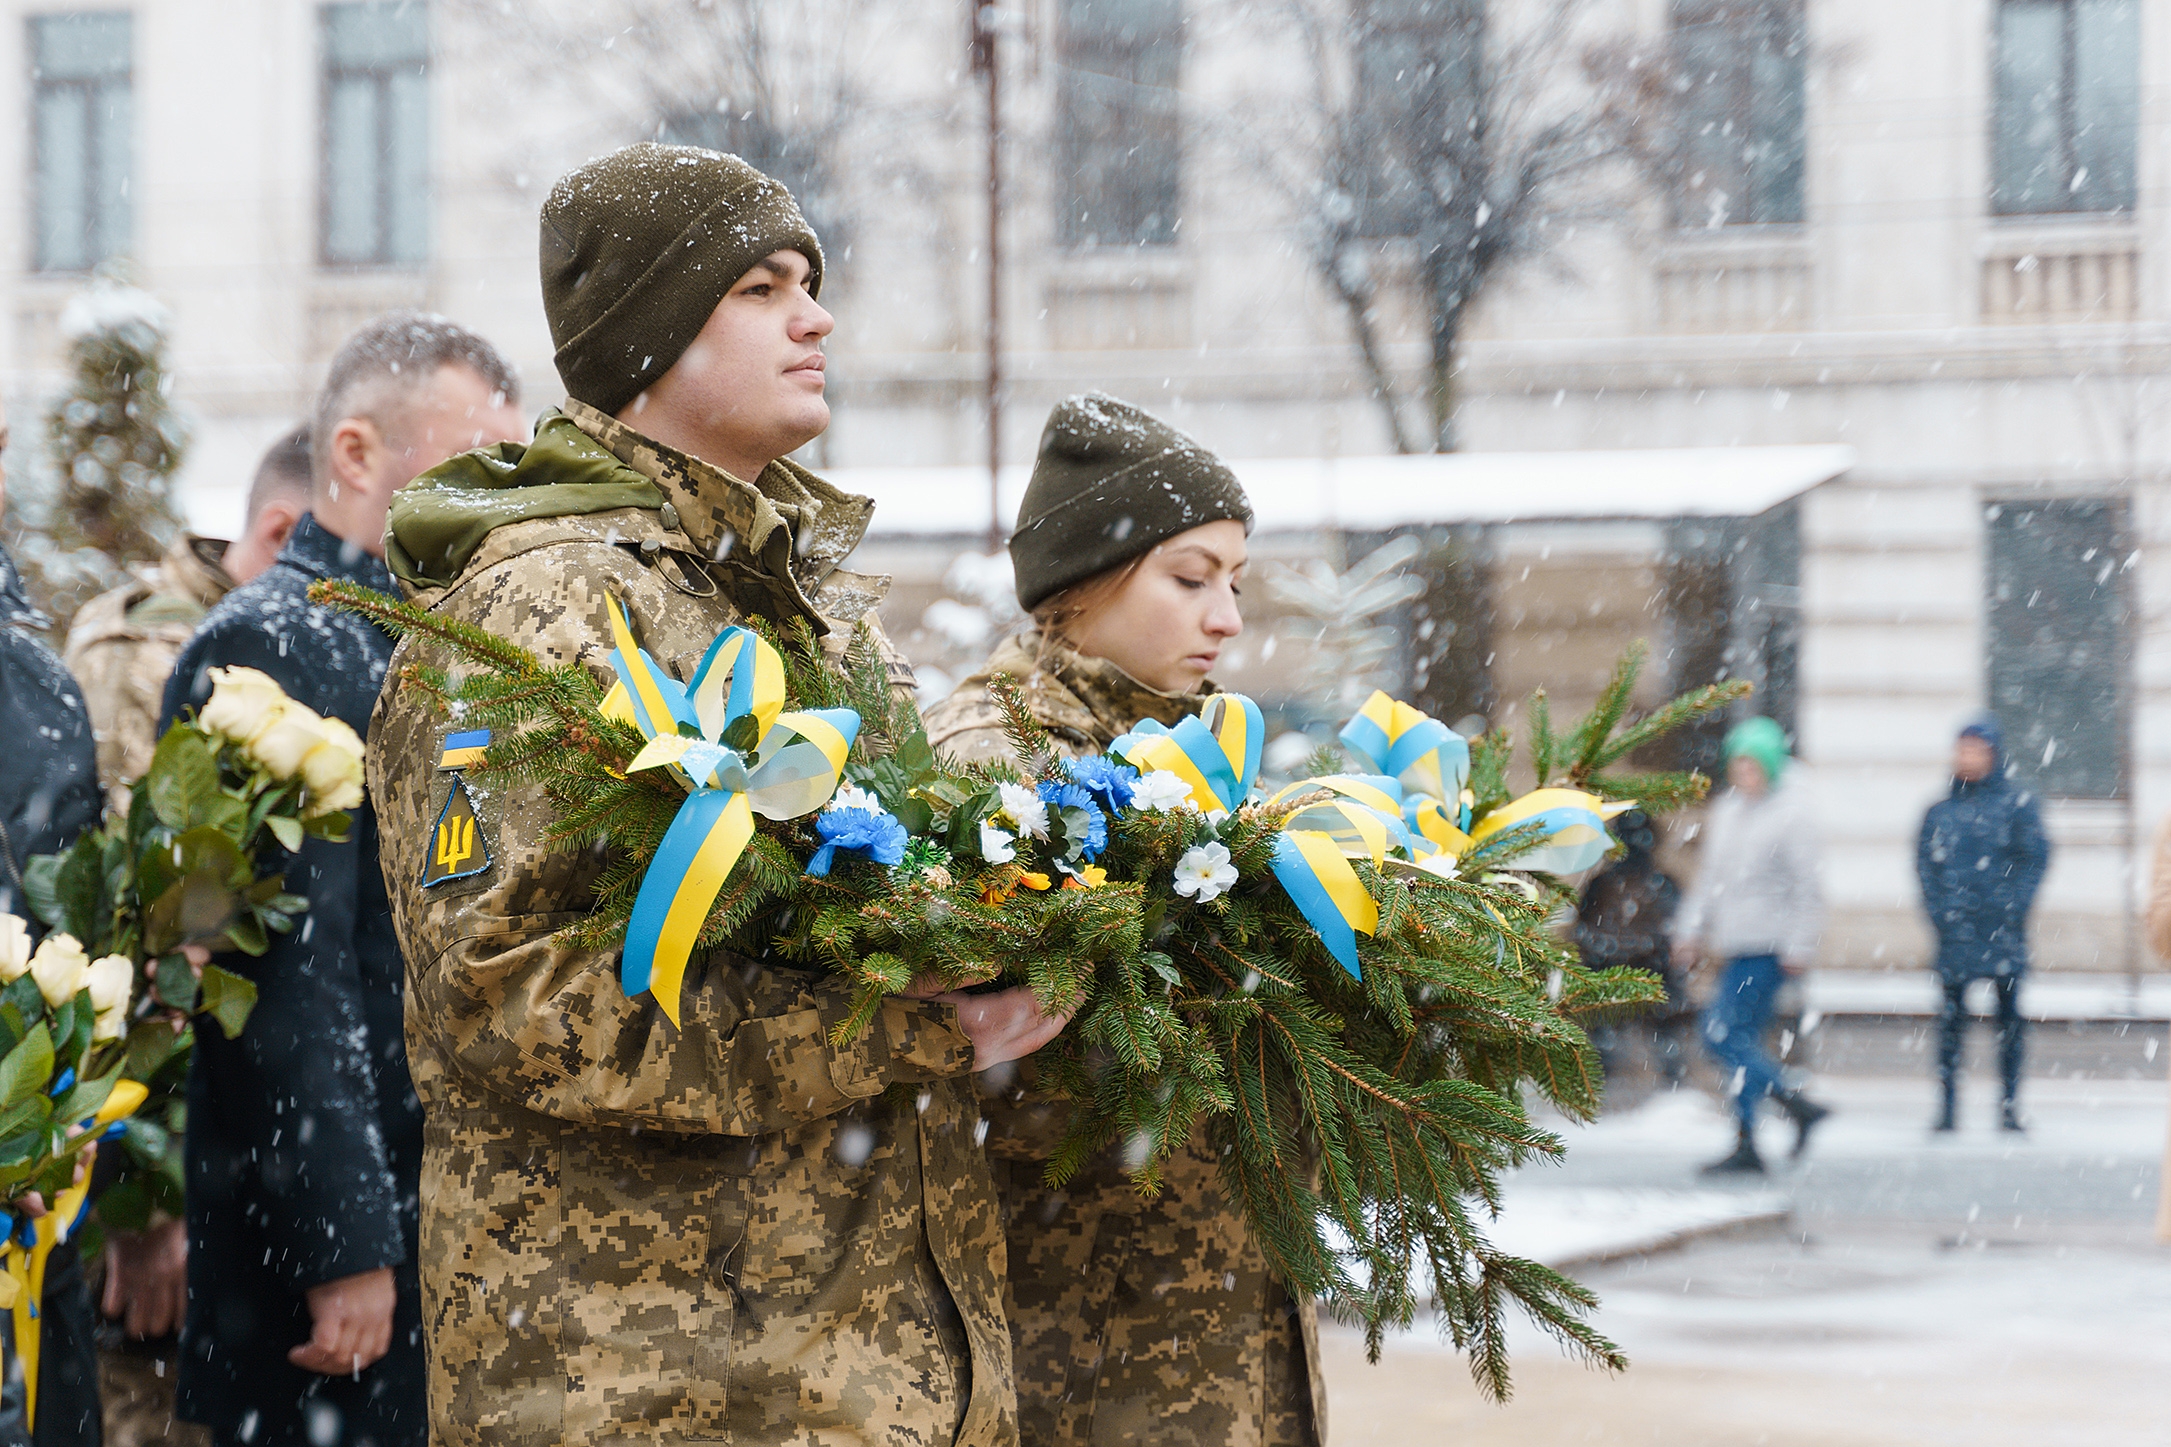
730, 1232
1134, 1320
122, 644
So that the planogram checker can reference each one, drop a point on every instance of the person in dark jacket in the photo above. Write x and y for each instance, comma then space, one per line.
49, 794
1625, 918
305, 1135
1981, 857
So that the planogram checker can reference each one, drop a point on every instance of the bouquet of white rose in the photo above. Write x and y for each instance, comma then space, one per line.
194, 861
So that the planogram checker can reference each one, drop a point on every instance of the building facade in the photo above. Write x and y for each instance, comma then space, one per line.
1936, 233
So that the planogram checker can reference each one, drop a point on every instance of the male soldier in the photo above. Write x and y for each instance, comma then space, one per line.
304, 1140
122, 643
729, 1229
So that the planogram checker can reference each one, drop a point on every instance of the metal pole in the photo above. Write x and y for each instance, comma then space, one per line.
984, 58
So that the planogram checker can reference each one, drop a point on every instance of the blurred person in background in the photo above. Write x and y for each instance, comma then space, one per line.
48, 795
304, 1324
1624, 917
121, 648
122, 643
1134, 1319
1981, 857
1756, 905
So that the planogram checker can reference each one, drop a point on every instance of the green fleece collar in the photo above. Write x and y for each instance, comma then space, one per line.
440, 519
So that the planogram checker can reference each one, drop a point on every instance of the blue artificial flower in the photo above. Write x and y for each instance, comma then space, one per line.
1061, 797
1109, 781
875, 833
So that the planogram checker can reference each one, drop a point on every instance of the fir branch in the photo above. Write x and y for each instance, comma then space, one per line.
1590, 736
1543, 746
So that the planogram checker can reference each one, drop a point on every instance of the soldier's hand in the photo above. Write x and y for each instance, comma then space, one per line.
350, 1324
147, 1278
1007, 1025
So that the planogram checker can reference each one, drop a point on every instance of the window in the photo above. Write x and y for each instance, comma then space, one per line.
1741, 66
1119, 141
2067, 106
376, 172
82, 110
2060, 625
1418, 88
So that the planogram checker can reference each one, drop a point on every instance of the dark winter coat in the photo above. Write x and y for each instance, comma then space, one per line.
305, 1137
49, 794
1981, 857
1625, 918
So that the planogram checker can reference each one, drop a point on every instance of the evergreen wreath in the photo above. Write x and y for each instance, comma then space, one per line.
1363, 1119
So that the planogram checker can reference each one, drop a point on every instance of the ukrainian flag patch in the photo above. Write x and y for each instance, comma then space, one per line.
464, 751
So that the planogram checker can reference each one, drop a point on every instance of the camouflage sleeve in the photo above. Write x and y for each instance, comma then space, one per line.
529, 1016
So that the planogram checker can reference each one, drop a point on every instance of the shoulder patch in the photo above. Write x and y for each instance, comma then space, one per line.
457, 848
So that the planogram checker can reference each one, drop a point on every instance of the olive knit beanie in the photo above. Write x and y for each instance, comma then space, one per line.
1112, 480
638, 248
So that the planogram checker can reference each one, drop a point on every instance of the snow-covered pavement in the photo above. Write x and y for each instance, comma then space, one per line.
1976, 1289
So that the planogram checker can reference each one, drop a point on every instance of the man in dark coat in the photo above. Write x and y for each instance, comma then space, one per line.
1980, 858
1625, 918
49, 794
305, 1136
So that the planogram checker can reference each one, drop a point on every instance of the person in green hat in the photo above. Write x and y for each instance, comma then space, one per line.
1757, 906
1134, 1320
732, 1228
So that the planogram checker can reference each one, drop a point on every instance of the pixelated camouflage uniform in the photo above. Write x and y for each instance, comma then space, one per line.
121, 647
732, 1231
1134, 1320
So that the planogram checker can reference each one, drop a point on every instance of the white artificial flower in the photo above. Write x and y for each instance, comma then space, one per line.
995, 844
1160, 790
1204, 872
333, 769
281, 745
852, 796
14, 948
111, 977
61, 968
109, 1025
1026, 809
243, 701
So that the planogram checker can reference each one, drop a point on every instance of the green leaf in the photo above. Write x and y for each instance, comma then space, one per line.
28, 1068
41, 883
916, 816
742, 733
286, 829
183, 779
126, 1207
228, 998
176, 985
85, 1097
151, 1043
332, 827
916, 756
1161, 965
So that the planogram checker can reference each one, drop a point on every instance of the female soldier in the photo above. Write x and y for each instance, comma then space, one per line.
1134, 1320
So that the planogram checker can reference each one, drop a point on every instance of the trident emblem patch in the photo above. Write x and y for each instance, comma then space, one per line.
457, 849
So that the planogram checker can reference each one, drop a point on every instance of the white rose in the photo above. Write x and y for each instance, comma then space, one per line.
281, 745
60, 967
111, 979
243, 701
14, 948
109, 1025
333, 769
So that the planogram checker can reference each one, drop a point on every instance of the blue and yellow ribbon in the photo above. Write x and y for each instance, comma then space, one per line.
23, 1258
793, 770
1216, 751
1574, 822
1430, 759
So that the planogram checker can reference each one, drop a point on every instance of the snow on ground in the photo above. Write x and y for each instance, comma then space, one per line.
1978, 1289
